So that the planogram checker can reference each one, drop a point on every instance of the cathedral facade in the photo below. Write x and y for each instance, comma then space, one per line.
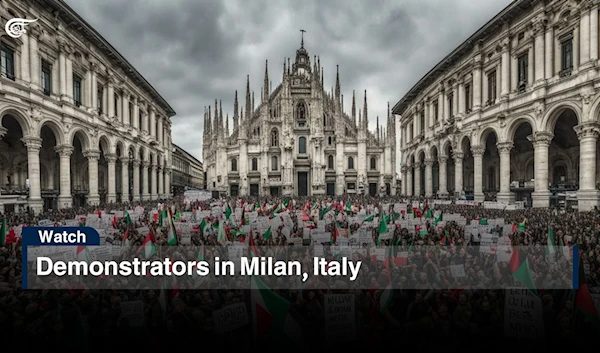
298, 141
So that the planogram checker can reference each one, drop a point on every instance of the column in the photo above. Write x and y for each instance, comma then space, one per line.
124, 179
168, 183
504, 149
594, 33
94, 90
461, 98
409, 181
136, 180
24, 74
514, 74
428, 178
477, 152
587, 196
110, 100
160, 132
111, 159
531, 66
477, 83
69, 76
145, 121
404, 178
538, 56
541, 142
441, 108
154, 188
576, 47
93, 156
161, 183
125, 108
65, 200
145, 184
417, 180
136, 113
505, 67
34, 61
549, 46
454, 100
584, 35
34, 144
152, 122
443, 170
62, 67
458, 173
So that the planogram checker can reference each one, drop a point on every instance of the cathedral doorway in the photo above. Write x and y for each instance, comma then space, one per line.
302, 183
274, 191
330, 189
388, 189
253, 189
373, 189
233, 190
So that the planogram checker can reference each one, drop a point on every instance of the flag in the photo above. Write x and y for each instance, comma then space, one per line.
253, 250
335, 234
483, 222
128, 218
124, 239
221, 234
267, 234
551, 249
82, 254
521, 226
272, 315
519, 268
382, 228
368, 219
386, 298
228, 212
200, 256
114, 221
171, 231
348, 207
3, 232
148, 246
439, 218
323, 212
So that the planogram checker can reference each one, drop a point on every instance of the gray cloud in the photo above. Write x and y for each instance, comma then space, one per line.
193, 51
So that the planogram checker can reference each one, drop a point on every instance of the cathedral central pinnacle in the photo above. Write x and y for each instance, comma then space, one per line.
302, 38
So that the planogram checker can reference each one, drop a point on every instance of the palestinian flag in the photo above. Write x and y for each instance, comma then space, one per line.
519, 267
171, 231
348, 207
583, 300
483, 221
124, 239
148, 247
385, 299
3, 232
272, 315
521, 226
128, 218
228, 212
335, 234
439, 218
382, 228
162, 215
82, 254
323, 212
267, 235
368, 219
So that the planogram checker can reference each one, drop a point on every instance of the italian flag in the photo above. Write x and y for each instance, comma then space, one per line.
82, 254
148, 247
273, 320
519, 268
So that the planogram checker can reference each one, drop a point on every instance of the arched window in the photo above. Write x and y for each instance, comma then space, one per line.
301, 111
330, 140
302, 145
254, 164
350, 163
330, 162
373, 163
274, 138
234, 165
274, 163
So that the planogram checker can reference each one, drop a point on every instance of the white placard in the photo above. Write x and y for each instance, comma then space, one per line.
523, 314
230, 317
340, 318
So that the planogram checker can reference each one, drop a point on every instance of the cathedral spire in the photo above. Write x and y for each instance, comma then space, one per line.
354, 106
221, 118
365, 113
359, 119
204, 123
284, 69
227, 125
337, 83
266, 83
236, 112
248, 102
216, 120
342, 104
253, 106
322, 78
289, 67
377, 127
209, 122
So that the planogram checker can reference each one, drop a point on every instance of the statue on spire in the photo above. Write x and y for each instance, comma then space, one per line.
302, 38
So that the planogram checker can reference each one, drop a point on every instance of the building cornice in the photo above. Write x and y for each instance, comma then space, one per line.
511, 11
76, 23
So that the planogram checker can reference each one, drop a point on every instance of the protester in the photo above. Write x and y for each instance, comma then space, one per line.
428, 308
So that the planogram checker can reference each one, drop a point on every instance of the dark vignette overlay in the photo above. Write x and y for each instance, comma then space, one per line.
298, 267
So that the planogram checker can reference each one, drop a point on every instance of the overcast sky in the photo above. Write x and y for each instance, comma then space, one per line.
193, 51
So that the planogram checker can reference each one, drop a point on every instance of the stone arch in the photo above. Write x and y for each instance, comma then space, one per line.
433, 151
463, 141
142, 153
595, 109
132, 151
411, 160
446, 147
19, 115
84, 138
513, 126
421, 155
104, 145
552, 114
482, 136
55, 128
121, 147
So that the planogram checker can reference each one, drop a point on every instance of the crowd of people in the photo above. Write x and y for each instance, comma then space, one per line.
428, 308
